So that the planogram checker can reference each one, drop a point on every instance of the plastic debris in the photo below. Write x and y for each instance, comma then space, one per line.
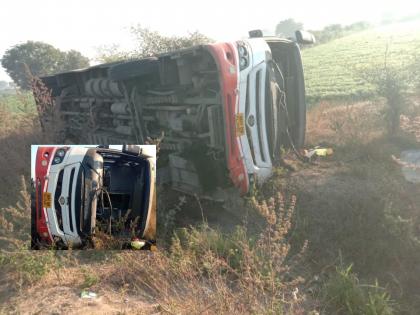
318, 151
137, 243
88, 295
324, 152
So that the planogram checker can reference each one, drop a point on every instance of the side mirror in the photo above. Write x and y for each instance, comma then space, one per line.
255, 34
304, 37
132, 149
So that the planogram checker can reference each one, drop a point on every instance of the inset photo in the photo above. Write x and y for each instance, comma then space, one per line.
93, 197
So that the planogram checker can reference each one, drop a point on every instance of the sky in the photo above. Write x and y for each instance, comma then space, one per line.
85, 25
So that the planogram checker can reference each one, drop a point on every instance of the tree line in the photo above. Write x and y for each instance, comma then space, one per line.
287, 28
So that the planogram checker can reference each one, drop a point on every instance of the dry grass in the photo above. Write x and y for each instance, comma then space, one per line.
357, 205
344, 124
208, 272
18, 131
16, 162
15, 222
411, 125
204, 271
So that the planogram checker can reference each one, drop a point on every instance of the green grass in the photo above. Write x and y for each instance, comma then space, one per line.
333, 70
28, 267
23, 102
89, 278
344, 294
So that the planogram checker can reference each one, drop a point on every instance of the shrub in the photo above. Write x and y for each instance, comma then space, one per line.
394, 84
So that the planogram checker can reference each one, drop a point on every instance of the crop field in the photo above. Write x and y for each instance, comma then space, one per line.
334, 70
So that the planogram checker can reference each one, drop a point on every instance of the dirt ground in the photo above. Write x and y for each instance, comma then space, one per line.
66, 300
61, 294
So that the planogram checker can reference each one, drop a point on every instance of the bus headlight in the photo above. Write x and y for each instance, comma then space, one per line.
59, 155
243, 55
243, 63
242, 50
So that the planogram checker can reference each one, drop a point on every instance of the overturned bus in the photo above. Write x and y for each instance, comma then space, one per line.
223, 111
80, 189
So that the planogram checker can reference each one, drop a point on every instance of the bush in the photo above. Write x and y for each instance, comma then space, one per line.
396, 84
392, 83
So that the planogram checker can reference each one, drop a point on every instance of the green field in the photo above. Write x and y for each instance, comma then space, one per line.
332, 70
17, 103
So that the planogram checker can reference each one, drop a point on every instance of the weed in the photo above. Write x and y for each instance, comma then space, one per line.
344, 294
259, 266
166, 215
89, 278
27, 266
354, 124
17, 132
15, 221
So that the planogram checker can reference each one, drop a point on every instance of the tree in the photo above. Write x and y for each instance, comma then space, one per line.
73, 59
111, 53
333, 31
39, 59
149, 43
357, 27
287, 28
